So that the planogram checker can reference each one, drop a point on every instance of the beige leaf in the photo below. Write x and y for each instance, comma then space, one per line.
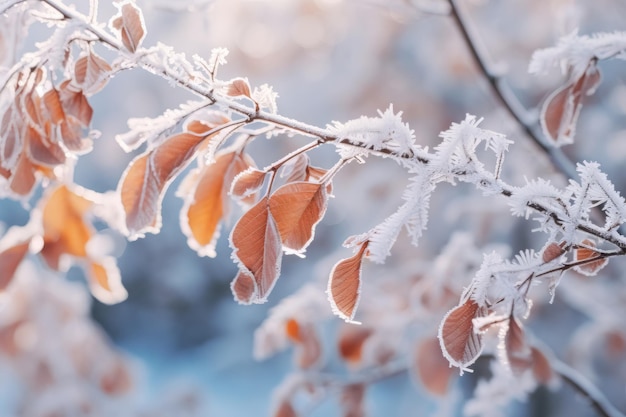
431, 368
297, 207
344, 285
129, 21
256, 245
460, 344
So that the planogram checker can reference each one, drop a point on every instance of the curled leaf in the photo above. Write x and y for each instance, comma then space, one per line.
239, 87
297, 207
105, 281
243, 288
257, 248
247, 183
460, 344
344, 285
560, 111
91, 72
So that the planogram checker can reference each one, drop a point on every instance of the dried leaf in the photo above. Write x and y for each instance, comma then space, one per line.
91, 72
117, 380
517, 350
105, 281
552, 252
285, 409
43, 153
350, 342
352, 397
64, 227
257, 248
130, 23
243, 288
542, 370
297, 207
147, 177
239, 87
344, 285
431, 368
247, 183
560, 111
54, 106
590, 268
10, 260
308, 347
460, 344
75, 103
206, 200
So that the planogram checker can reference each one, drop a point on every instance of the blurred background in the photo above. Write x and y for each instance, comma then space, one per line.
186, 343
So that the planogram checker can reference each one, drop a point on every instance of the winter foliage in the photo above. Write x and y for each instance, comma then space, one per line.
408, 308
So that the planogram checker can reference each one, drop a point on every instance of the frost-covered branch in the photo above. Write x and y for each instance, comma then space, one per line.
507, 97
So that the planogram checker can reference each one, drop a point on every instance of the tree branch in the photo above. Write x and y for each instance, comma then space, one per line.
507, 97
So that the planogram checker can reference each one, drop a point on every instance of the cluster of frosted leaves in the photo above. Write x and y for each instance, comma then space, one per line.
454, 159
578, 57
572, 205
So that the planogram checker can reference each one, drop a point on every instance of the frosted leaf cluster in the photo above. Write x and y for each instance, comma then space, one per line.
386, 131
575, 51
454, 159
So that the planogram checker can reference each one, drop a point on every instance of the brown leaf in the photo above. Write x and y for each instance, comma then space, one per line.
117, 380
23, 178
542, 370
91, 72
147, 177
552, 252
308, 347
247, 183
206, 200
344, 286
130, 23
41, 151
54, 106
590, 268
75, 103
431, 368
243, 288
560, 111
460, 345
517, 350
10, 260
257, 248
350, 342
297, 207
238, 87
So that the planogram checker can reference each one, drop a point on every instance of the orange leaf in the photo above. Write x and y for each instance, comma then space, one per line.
297, 208
560, 111
206, 200
344, 286
351, 340
105, 281
590, 268
52, 102
257, 248
23, 176
64, 227
131, 25
238, 87
10, 260
147, 177
431, 368
460, 345
285, 409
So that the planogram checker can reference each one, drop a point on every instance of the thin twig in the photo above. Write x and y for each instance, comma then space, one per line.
584, 387
507, 97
